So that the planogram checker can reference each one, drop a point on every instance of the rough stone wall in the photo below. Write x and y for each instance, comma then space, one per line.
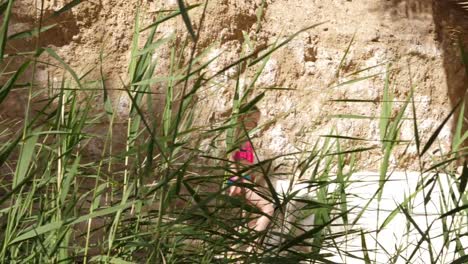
402, 33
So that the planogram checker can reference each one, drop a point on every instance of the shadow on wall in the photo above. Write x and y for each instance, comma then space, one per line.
60, 35
452, 29
451, 25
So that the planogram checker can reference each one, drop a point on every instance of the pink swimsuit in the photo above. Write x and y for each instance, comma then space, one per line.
245, 152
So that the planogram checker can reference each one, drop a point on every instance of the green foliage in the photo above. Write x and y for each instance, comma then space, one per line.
162, 197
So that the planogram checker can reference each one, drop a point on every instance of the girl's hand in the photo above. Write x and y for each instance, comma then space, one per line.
234, 190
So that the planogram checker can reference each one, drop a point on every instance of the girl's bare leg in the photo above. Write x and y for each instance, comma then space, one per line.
258, 201
263, 205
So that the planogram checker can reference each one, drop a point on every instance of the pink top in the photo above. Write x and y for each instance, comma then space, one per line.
245, 152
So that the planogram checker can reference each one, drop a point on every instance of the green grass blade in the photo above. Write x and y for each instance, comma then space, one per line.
415, 123
34, 232
360, 79
102, 212
463, 178
3, 7
67, 181
343, 59
31, 33
54, 55
153, 46
355, 150
365, 251
389, 219
309, 233
386, 110
454, 211
7, 149
16, 189
6, 88
108, 259
248, 106
461, 260
266, 54
352, 116
168, 17
442, 163
464, 55
412, 221
260, 12
4, 29
66, 7
351, 100
457, 135
186, 18
26, 155
424, 235
427, 197
433, 137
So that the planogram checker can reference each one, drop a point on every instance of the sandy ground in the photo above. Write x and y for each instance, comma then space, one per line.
400, 234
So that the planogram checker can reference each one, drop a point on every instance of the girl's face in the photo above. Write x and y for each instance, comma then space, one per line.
251, 121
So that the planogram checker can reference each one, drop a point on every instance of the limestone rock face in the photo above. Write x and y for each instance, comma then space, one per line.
407, 41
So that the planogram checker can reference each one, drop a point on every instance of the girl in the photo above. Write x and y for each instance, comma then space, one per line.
245, 156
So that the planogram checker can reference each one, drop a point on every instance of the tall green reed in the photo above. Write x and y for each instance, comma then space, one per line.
58, 204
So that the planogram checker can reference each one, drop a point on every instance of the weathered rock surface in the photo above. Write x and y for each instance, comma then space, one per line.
412, 36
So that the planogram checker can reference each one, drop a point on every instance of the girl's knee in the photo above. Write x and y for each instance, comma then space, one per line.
268, 209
